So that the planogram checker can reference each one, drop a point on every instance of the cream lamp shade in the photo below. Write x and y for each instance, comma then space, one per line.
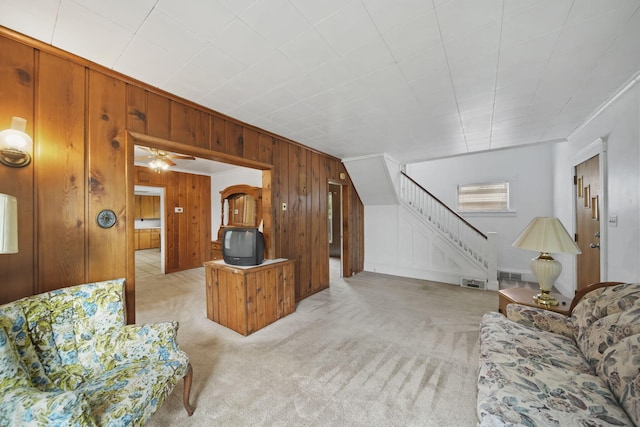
546, 235
8, 224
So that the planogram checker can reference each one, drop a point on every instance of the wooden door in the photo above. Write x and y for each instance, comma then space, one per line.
588, 198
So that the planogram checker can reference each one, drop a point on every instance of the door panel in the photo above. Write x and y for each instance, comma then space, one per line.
588, 221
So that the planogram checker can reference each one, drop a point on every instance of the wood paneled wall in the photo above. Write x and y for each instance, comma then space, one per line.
82, 118
188, 233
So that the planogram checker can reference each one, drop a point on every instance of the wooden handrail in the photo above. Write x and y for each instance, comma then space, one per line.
445, 206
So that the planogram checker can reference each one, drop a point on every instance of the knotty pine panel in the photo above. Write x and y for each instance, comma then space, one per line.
251, 144
189, 126
298, 218
158, 116
60, 180
17, 82
265, 143
108, 183
136, 109
267, 214
234, 141
218, 134
280, 194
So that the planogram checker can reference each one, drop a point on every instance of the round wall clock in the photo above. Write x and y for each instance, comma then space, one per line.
106, 218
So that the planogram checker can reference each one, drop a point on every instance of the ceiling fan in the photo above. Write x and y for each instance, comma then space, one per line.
161, 160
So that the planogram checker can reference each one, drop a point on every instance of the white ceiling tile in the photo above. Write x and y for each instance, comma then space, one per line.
226, 98
147, 62
36, 18
388, 14
275, 69
418, 34
481, 46
192, 82
584, 10
275, 20
308, 49
242, 43
332, 73
539, 19
217, 62
533, 50
462, 18
205, 18
162, 30
125, 13
424, 63
102, 40
303, 86
235, 6
369, 57
348, 28
315, 11
276, 99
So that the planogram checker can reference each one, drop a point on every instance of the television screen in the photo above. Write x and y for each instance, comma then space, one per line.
243, 246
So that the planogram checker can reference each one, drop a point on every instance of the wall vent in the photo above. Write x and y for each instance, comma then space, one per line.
472, 283
509, 275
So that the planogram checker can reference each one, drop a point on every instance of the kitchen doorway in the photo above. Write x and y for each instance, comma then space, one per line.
149, 230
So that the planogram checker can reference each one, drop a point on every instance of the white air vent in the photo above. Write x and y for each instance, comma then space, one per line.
509, 275
473, 283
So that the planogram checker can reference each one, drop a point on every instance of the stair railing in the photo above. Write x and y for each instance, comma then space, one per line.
455, 228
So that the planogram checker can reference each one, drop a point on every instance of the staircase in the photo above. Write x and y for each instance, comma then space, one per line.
478, 246
410, 233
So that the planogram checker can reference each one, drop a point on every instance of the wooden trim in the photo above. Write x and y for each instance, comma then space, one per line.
445, 206
204, 153
580, 294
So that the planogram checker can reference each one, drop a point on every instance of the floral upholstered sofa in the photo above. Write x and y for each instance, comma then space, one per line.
540, 368
68, 359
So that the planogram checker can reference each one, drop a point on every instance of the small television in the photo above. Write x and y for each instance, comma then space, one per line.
243, 246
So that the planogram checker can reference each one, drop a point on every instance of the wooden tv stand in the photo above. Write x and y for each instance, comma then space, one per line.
247, 299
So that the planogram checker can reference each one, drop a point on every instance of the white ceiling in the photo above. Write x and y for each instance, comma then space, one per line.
416, 79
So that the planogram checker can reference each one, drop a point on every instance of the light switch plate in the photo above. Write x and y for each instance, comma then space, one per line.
178, 210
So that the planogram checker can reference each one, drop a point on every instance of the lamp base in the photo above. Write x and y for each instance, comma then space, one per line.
543, 298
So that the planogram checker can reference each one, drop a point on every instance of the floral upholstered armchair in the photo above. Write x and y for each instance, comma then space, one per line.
68, 358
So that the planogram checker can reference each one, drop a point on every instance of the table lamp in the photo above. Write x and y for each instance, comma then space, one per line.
546, 235
8, 224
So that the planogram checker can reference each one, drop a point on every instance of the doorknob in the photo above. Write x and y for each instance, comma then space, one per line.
594, 245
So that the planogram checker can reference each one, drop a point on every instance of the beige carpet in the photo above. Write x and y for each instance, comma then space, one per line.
373, 350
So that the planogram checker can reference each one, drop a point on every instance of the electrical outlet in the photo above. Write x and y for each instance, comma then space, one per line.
284, 206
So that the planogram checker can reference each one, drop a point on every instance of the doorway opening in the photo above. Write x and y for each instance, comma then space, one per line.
335, 230
149, 230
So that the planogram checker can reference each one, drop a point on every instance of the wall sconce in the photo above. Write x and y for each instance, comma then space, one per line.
8, 224
15, 144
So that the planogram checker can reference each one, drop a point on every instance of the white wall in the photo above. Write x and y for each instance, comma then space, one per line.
619, 124
222, 180
529, 171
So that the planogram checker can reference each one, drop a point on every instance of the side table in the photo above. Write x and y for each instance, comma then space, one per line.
524, 296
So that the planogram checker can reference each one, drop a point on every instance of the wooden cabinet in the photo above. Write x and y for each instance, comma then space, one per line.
154, 238
147, 238
216, 250
247, 299
147, 207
